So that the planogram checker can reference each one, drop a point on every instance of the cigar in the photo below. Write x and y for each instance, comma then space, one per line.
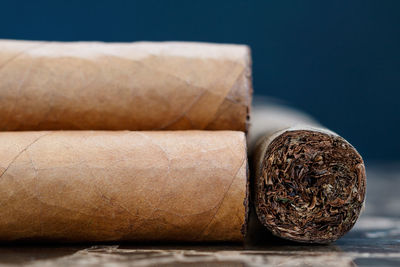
308, 182
124, 86
77, 186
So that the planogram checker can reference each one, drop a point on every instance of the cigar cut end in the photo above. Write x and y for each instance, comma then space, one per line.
312, 186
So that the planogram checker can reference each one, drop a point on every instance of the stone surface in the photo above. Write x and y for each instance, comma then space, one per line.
374, 241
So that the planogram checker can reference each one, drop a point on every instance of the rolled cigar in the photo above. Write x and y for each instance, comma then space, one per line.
309, 183
123, 186
124, 86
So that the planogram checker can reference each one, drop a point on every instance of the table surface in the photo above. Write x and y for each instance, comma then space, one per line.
374, 241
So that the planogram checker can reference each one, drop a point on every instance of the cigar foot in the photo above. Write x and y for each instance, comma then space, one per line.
312, 186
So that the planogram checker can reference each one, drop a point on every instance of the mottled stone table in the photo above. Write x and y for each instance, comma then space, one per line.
374, 241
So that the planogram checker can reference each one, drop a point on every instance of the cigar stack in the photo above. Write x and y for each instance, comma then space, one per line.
148, 142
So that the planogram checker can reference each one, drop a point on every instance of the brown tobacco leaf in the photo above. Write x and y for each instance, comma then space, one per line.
312, 186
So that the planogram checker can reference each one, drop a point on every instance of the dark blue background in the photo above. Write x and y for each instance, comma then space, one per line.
338, 60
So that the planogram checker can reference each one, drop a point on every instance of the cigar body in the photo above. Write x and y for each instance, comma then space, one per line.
116, 186
123, 86
308, 183
269, 118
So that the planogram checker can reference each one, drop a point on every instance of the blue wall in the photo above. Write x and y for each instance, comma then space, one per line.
338, 60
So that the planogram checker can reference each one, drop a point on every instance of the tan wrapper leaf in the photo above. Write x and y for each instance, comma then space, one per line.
112, 186
124, 86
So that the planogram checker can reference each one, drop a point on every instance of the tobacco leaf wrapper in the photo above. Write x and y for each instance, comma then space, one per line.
124, 86
309, 183
115, 186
